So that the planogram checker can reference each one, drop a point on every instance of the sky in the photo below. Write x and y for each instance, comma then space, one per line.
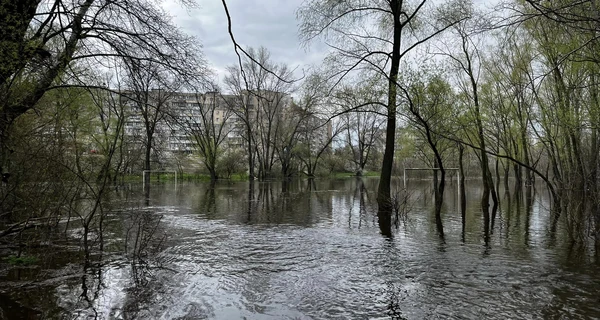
255, 23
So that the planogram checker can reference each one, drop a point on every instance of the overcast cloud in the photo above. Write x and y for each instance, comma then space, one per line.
268, 23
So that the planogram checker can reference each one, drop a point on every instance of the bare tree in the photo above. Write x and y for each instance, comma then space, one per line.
364, 122
299, 120
43, 41
150, 89
110, 115
467, 57
430, 104
209, 126
316, 141
263, 96
243, 111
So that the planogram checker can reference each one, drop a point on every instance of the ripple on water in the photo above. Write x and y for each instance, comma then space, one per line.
332, 263
293, 272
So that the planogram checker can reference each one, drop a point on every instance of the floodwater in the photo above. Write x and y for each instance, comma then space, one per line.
307, 250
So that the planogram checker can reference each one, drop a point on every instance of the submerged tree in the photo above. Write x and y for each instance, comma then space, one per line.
429, 106
150, 89
263, 89
466, 57
363, 120
377, 36
313, 132
209, 127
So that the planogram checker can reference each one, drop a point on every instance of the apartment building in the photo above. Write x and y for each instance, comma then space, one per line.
182, 117
176, 116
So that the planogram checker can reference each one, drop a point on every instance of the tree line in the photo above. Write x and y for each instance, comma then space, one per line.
514, 85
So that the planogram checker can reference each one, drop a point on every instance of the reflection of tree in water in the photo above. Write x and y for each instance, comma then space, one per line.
362, 195
529, 193
208, 202
363, 200
395, 297
511, 215
91, 286
395, 293
143, 242
294, 201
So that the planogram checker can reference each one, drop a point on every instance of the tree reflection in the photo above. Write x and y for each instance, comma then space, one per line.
208, 202
147, 194
362, 200
439, 227
91, 286
359, 198
251, 204
384, 219
528, 209
463, 207
486, 228
394, 305
274, 202
508, 209
143, 242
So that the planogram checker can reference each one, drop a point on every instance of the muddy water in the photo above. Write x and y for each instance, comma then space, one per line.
307, 250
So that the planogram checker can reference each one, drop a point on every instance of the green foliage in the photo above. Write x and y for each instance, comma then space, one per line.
239, 177
231, 163
21, 260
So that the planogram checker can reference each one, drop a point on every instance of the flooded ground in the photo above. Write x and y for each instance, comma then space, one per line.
306, 250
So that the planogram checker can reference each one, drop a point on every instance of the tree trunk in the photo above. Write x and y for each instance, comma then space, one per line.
250, 154
148, 153
506, 176
441, 185
485, 170
384, 190
461, 170
497, 171
518, 175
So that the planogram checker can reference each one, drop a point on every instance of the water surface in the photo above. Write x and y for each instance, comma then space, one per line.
308, 250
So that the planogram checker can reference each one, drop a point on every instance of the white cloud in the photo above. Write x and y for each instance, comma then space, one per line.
255, 23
